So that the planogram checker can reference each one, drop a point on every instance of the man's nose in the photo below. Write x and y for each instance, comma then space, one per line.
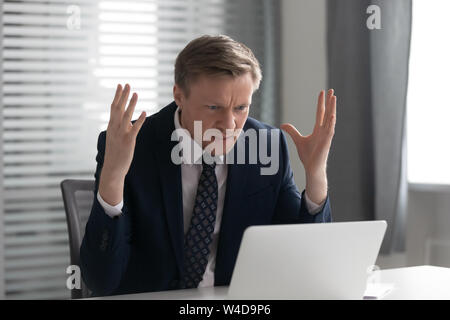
228, 121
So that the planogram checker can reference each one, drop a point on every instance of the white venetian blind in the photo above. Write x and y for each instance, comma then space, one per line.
61, 61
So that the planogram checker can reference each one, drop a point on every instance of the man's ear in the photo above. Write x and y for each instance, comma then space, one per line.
178, 96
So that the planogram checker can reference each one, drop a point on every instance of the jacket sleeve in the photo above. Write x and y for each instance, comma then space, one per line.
291, 206
105, 249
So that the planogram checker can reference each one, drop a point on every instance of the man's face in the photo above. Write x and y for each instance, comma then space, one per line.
219, 102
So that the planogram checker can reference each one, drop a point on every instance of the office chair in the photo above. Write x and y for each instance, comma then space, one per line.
78, 196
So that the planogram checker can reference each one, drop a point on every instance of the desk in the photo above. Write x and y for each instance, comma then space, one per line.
422, 282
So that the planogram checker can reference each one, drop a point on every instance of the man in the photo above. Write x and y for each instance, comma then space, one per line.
158, 225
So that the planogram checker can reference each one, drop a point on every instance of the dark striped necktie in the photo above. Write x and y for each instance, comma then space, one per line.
198, 238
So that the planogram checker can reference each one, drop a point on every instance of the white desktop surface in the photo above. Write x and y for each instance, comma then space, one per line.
421, 282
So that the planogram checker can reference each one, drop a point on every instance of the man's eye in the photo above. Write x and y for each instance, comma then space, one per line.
241, 108
212, 107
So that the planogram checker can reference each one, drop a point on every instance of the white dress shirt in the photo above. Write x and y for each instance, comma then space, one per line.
190, 175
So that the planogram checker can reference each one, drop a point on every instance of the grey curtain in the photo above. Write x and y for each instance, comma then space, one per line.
369, 71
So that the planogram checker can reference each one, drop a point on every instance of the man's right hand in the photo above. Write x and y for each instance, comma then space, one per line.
120, 142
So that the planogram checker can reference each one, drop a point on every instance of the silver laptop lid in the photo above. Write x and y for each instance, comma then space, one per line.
306, 261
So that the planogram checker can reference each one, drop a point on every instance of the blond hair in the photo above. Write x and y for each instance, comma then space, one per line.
215, 55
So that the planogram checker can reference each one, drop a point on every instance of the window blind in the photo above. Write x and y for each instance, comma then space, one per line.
61, 62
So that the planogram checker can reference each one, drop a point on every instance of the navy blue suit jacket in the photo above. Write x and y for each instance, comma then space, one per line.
142, 250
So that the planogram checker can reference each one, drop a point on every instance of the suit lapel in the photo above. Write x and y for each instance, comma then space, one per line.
236, 183
231, 219
170, 179
236, 180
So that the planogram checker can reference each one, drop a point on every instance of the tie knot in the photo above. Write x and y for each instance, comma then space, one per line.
208, 166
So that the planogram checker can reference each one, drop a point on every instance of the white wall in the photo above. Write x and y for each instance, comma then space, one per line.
303, 54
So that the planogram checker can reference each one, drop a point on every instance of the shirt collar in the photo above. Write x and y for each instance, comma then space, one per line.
198, 151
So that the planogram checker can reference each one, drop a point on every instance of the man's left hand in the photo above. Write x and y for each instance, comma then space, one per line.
313, 149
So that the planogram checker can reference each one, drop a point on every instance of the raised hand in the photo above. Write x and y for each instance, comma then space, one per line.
313, 149
120, 143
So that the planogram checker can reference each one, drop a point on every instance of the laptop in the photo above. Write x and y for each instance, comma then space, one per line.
306, 261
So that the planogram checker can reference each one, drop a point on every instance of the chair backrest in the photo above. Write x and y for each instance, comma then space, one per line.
78, 197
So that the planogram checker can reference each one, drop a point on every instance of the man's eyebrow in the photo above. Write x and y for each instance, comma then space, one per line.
221, 105
242, 104
214, 104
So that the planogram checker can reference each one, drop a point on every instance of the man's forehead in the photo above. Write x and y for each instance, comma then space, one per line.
221, 91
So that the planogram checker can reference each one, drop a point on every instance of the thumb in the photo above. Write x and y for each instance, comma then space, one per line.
292, 131
138, 124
